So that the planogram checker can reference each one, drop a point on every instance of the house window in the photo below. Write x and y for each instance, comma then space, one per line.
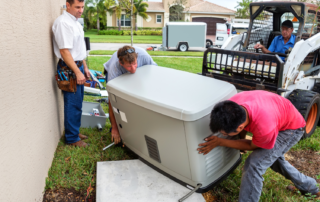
159, 18
125, 21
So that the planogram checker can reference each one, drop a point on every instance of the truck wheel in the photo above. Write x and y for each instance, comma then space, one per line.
183, 47
308, 104
316, 88
208, 43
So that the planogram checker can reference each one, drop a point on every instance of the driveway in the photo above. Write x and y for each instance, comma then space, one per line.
116, 46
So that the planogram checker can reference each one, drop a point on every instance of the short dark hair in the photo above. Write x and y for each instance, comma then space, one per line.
227, 116
72, 1
287, 23
127, 56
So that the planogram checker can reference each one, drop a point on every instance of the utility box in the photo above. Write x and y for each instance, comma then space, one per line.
163, 115
88, 119
184, 35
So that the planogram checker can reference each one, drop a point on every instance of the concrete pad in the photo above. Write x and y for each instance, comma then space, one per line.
134, 181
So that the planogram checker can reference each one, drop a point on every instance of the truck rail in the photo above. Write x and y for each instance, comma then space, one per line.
245, 70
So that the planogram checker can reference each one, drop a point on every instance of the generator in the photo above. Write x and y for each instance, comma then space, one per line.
163, 115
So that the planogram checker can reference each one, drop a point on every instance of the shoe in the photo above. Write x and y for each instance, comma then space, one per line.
79, 144
83, 137
293, 188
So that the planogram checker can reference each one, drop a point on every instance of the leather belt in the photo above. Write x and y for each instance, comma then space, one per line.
78, 63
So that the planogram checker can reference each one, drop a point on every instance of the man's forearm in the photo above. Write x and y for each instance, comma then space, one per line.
112, 118
237, 144
265, 50
67, 58
84, 64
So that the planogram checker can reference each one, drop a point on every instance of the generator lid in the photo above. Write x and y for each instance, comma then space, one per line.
177, 94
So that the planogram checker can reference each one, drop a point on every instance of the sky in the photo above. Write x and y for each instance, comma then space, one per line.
225, 3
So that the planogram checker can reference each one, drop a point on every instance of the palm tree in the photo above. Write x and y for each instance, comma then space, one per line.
96, 7
108, 4
118, 15
140, 9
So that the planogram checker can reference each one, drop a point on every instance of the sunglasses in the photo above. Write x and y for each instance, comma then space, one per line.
126, 52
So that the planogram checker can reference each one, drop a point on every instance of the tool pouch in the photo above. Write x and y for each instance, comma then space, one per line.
69, 84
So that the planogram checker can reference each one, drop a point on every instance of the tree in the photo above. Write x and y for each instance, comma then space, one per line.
107, 6
96, 7
118, 11
177, 9
243, 9
140, 9
129, 9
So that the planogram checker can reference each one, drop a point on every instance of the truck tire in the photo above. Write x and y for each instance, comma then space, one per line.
316, 88
208, 43
308, 104
183, 47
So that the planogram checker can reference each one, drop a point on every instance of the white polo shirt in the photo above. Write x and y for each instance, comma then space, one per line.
68, 34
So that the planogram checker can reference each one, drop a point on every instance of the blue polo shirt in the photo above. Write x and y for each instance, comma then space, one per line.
278, 45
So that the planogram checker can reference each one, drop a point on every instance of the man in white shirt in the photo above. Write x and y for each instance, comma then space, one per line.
69, 47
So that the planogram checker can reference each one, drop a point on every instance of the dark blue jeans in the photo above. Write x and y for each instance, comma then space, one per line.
72, 112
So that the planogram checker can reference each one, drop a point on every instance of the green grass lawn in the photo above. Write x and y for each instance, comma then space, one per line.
76, 167
95, 38
185, 64
152, 53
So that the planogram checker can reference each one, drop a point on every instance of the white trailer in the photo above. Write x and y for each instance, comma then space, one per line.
184, 35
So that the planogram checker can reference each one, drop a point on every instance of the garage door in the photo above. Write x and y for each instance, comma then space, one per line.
211, 23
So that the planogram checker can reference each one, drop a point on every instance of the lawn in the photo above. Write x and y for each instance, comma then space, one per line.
75, 168
95, 38
185, 64
153, 53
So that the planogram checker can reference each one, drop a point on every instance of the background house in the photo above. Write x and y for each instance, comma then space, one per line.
195, 11
31, 104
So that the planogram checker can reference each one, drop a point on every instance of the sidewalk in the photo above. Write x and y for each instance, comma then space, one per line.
116, 46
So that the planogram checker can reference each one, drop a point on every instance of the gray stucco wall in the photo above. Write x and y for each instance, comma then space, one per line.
31, 106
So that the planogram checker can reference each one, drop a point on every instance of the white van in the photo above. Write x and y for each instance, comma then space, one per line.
225, 30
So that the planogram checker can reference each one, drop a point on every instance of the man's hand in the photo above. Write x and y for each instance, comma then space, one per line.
80, 78
212, 142
258, 46
87, 73
115, 136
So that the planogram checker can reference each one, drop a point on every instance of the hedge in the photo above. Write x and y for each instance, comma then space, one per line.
124, 32
139, 28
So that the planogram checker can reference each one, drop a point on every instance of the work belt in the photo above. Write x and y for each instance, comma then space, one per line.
66, 78
62, 63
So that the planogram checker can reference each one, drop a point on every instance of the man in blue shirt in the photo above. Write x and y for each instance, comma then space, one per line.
280, 43
126, 60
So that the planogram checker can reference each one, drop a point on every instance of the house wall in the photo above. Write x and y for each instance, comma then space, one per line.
152, 21
31, 105
114, 20
210, 15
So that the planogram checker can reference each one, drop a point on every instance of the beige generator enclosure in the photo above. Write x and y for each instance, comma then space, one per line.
163, 115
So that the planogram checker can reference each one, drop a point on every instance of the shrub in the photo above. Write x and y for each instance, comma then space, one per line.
126, 32
110, 32
148, 32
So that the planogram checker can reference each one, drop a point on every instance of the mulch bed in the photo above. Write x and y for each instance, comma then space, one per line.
307, 162
68, 195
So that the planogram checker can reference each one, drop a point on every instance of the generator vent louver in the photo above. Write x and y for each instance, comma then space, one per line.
216, 159
153, 148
